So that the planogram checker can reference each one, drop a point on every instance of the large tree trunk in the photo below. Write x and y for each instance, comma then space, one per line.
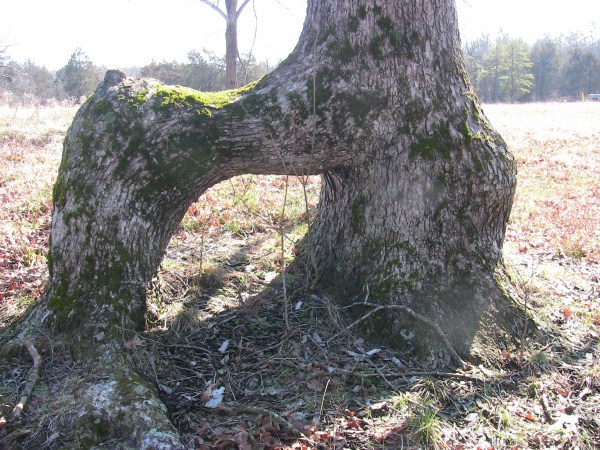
416, 193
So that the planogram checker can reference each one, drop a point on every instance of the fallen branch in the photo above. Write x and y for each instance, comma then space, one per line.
379, 373
376, 308
33, 376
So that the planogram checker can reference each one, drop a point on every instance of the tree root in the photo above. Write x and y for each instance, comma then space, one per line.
33, 377
122, 406
456, 359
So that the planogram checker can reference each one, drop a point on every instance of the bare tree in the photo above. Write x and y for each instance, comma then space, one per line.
4, 58
231, 15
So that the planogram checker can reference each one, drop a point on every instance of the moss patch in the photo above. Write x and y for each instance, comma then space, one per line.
358, 214
202, 102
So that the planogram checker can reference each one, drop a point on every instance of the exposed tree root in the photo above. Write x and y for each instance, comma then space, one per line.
33, 377
120, 405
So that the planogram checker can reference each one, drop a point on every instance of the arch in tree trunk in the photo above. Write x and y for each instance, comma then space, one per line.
416, 192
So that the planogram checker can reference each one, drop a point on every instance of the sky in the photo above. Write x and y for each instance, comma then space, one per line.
126, 33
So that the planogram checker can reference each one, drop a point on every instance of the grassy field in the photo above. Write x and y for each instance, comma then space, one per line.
216, 311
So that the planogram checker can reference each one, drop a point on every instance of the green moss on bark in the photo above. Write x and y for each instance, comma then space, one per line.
167, 97
358, 214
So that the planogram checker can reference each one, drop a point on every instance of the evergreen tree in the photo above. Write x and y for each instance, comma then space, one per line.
475, 53
495, 70
167, 72
581, 74
80, 76
545, 57
517, 81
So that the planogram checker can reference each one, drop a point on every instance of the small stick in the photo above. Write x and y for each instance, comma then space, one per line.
547, 412
33, 376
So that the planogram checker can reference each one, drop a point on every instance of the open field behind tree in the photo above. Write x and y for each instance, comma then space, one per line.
217, 309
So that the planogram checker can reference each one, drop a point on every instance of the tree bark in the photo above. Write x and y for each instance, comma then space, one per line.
416, 193
417, 186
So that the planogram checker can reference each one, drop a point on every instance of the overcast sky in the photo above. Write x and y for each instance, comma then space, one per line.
123, 33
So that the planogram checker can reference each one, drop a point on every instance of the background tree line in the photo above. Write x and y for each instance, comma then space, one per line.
507, 69
501, 69
23, 83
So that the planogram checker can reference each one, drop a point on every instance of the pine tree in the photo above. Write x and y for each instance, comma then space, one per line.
79, 76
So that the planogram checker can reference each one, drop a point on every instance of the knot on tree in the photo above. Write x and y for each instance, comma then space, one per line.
114, 77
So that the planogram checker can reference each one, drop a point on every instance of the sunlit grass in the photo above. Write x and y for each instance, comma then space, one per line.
557, 202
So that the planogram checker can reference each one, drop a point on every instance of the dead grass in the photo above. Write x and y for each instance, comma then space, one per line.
30, 149
216, 312
553, 237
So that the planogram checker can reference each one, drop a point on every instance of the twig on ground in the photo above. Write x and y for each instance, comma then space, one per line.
286, 300
379, 373
33, 376
547, 411
323, 399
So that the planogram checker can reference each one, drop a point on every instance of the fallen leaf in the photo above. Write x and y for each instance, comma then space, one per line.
316, 384
203, 429
561, 391
373, 352
133, 343
296, 423
270, 276
567, 312
242, 439
216, 398
224, 346
317, 338
531, 417
207, 394
165, 389
368, 390
353, 424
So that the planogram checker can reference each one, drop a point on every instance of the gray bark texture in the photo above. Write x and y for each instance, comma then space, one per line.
417, 186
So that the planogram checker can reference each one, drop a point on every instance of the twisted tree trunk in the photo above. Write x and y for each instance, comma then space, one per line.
417, 186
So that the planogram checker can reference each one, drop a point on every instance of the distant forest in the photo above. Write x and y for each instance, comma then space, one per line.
506, 69
501, 69
29, 84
